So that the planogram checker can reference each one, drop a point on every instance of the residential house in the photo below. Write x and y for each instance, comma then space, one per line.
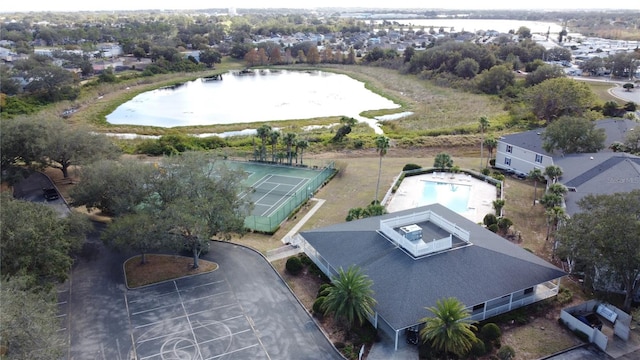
418, 256
523, 152
602, 173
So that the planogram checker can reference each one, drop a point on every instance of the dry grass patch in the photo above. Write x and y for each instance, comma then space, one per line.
539, 338
161, 268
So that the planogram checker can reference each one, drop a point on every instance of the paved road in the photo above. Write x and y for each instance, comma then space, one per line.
262, 318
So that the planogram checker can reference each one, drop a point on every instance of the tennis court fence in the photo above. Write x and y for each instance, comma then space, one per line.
269, 224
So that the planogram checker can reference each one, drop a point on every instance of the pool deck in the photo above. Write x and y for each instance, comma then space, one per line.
481, 195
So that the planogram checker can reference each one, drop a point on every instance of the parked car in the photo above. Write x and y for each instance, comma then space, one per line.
50, 194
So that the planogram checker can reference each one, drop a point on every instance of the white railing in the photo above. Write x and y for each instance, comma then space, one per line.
424, 246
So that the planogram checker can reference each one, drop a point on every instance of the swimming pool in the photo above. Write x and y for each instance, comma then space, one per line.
453, 196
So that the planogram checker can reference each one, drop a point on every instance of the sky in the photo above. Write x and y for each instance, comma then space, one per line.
68, 5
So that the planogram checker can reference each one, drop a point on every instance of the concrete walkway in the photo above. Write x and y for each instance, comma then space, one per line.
291, 247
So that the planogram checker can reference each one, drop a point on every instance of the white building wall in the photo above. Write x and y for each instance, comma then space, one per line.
521, 160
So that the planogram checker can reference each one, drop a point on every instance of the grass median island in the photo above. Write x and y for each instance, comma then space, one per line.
161, 268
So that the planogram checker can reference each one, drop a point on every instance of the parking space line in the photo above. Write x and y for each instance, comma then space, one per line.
208, 296
201, 285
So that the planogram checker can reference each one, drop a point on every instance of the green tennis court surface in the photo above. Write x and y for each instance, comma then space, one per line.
277, 191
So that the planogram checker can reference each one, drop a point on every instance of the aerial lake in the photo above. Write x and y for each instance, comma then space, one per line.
264, 95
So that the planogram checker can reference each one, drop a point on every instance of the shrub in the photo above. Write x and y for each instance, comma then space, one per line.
565, 296
322, 289
493, 228
492, 162
506, 353
294, 265
489, 219
478, 349
339, 345
317, 305
305, 259
409, 167
485, 171
490, 332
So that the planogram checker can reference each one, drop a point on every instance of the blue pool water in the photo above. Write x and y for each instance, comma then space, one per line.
453, 196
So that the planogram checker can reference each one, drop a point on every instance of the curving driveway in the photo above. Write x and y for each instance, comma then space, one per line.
243, 310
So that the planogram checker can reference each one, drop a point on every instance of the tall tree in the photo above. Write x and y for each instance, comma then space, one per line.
36, 242
28, 325
69, 145
301, 145
558, 97
605, 235
573, 135
289, 140
198, 200
553, 172
137, 231
535, 175
494, 80
274, 135
449, 329
483, 125
350, 297
382, 145
491, 144
114, 187
263, 133
554, 216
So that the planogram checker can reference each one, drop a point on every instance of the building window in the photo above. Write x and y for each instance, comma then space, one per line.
539, 159
507, 161
509, 148
528, 291
478, 307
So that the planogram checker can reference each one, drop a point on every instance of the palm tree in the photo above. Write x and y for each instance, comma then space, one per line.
450, 329
302, 144
382, 145
263, 133
535, 175
350, 298
482, 126
557, 189
549, 200
490, 143
273, 137
554, 216
289, 139
498, 205
553, 172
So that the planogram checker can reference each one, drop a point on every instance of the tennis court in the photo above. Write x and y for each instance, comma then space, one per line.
277, 191
272, 191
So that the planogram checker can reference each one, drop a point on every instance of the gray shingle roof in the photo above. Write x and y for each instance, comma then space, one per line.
615, 130
598, 174
404, 286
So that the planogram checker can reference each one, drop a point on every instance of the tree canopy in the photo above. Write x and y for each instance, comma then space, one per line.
571, 135
28, 325
182, 203
36, 242
605, 235
558, 97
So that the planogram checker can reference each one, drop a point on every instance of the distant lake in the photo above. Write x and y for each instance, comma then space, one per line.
473, 25
264, 96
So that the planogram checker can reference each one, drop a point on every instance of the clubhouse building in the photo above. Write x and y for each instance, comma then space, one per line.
418, 256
